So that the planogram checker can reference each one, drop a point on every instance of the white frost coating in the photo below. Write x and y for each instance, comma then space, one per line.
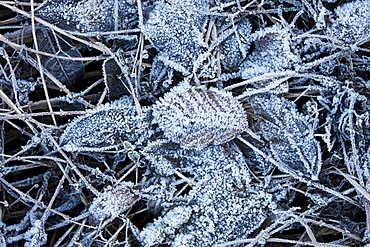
107, 127
88, 15
36, 236
175, 30
112, 202
196, 117
223, 203
157, 232
352, 23
290, 136
234, 47
272, 53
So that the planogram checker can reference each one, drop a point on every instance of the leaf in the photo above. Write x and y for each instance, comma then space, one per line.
112, 202
66, 70
107, 127
289, 134
352, 22
175, 31
222, 204
272, 53
234, 48
89, 15
196, 117
167, 157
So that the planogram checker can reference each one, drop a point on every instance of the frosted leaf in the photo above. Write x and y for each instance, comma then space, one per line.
233, 48
155, 233
290, 136
36, 236
166, 157
350, 120
175, 31
196, 117
352, 22
272, 53
66, 70
223, 206
112, 202
159, 194
107, 127
218, 212
89, 15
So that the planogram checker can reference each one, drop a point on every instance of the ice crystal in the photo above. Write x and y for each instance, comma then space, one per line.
36, 236
352, 22
89, 15
350, 124
290, 135
196, 117
159, 194
234, 48
112, 202
272, 53
107, 127
222, 204
175, 31
166, 157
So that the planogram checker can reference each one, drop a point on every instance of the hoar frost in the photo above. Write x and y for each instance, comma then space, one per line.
352, 22
290, 135
88, 15
234, 48
196, 117
112, 202
175, 31
272, 53
107, 127
222, 205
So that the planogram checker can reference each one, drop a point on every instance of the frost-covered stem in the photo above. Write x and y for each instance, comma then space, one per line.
282, 240
66, 233
4, 54
140, 12
309, 34
6, 99
138, 61
41, 69
363, 41
322, 60
261, 78
40, 114
75, 237
18, 47
265, 89
115, 15
56, 192
366, 238
71, 220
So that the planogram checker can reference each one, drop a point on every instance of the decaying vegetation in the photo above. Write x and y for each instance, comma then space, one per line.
184, 123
